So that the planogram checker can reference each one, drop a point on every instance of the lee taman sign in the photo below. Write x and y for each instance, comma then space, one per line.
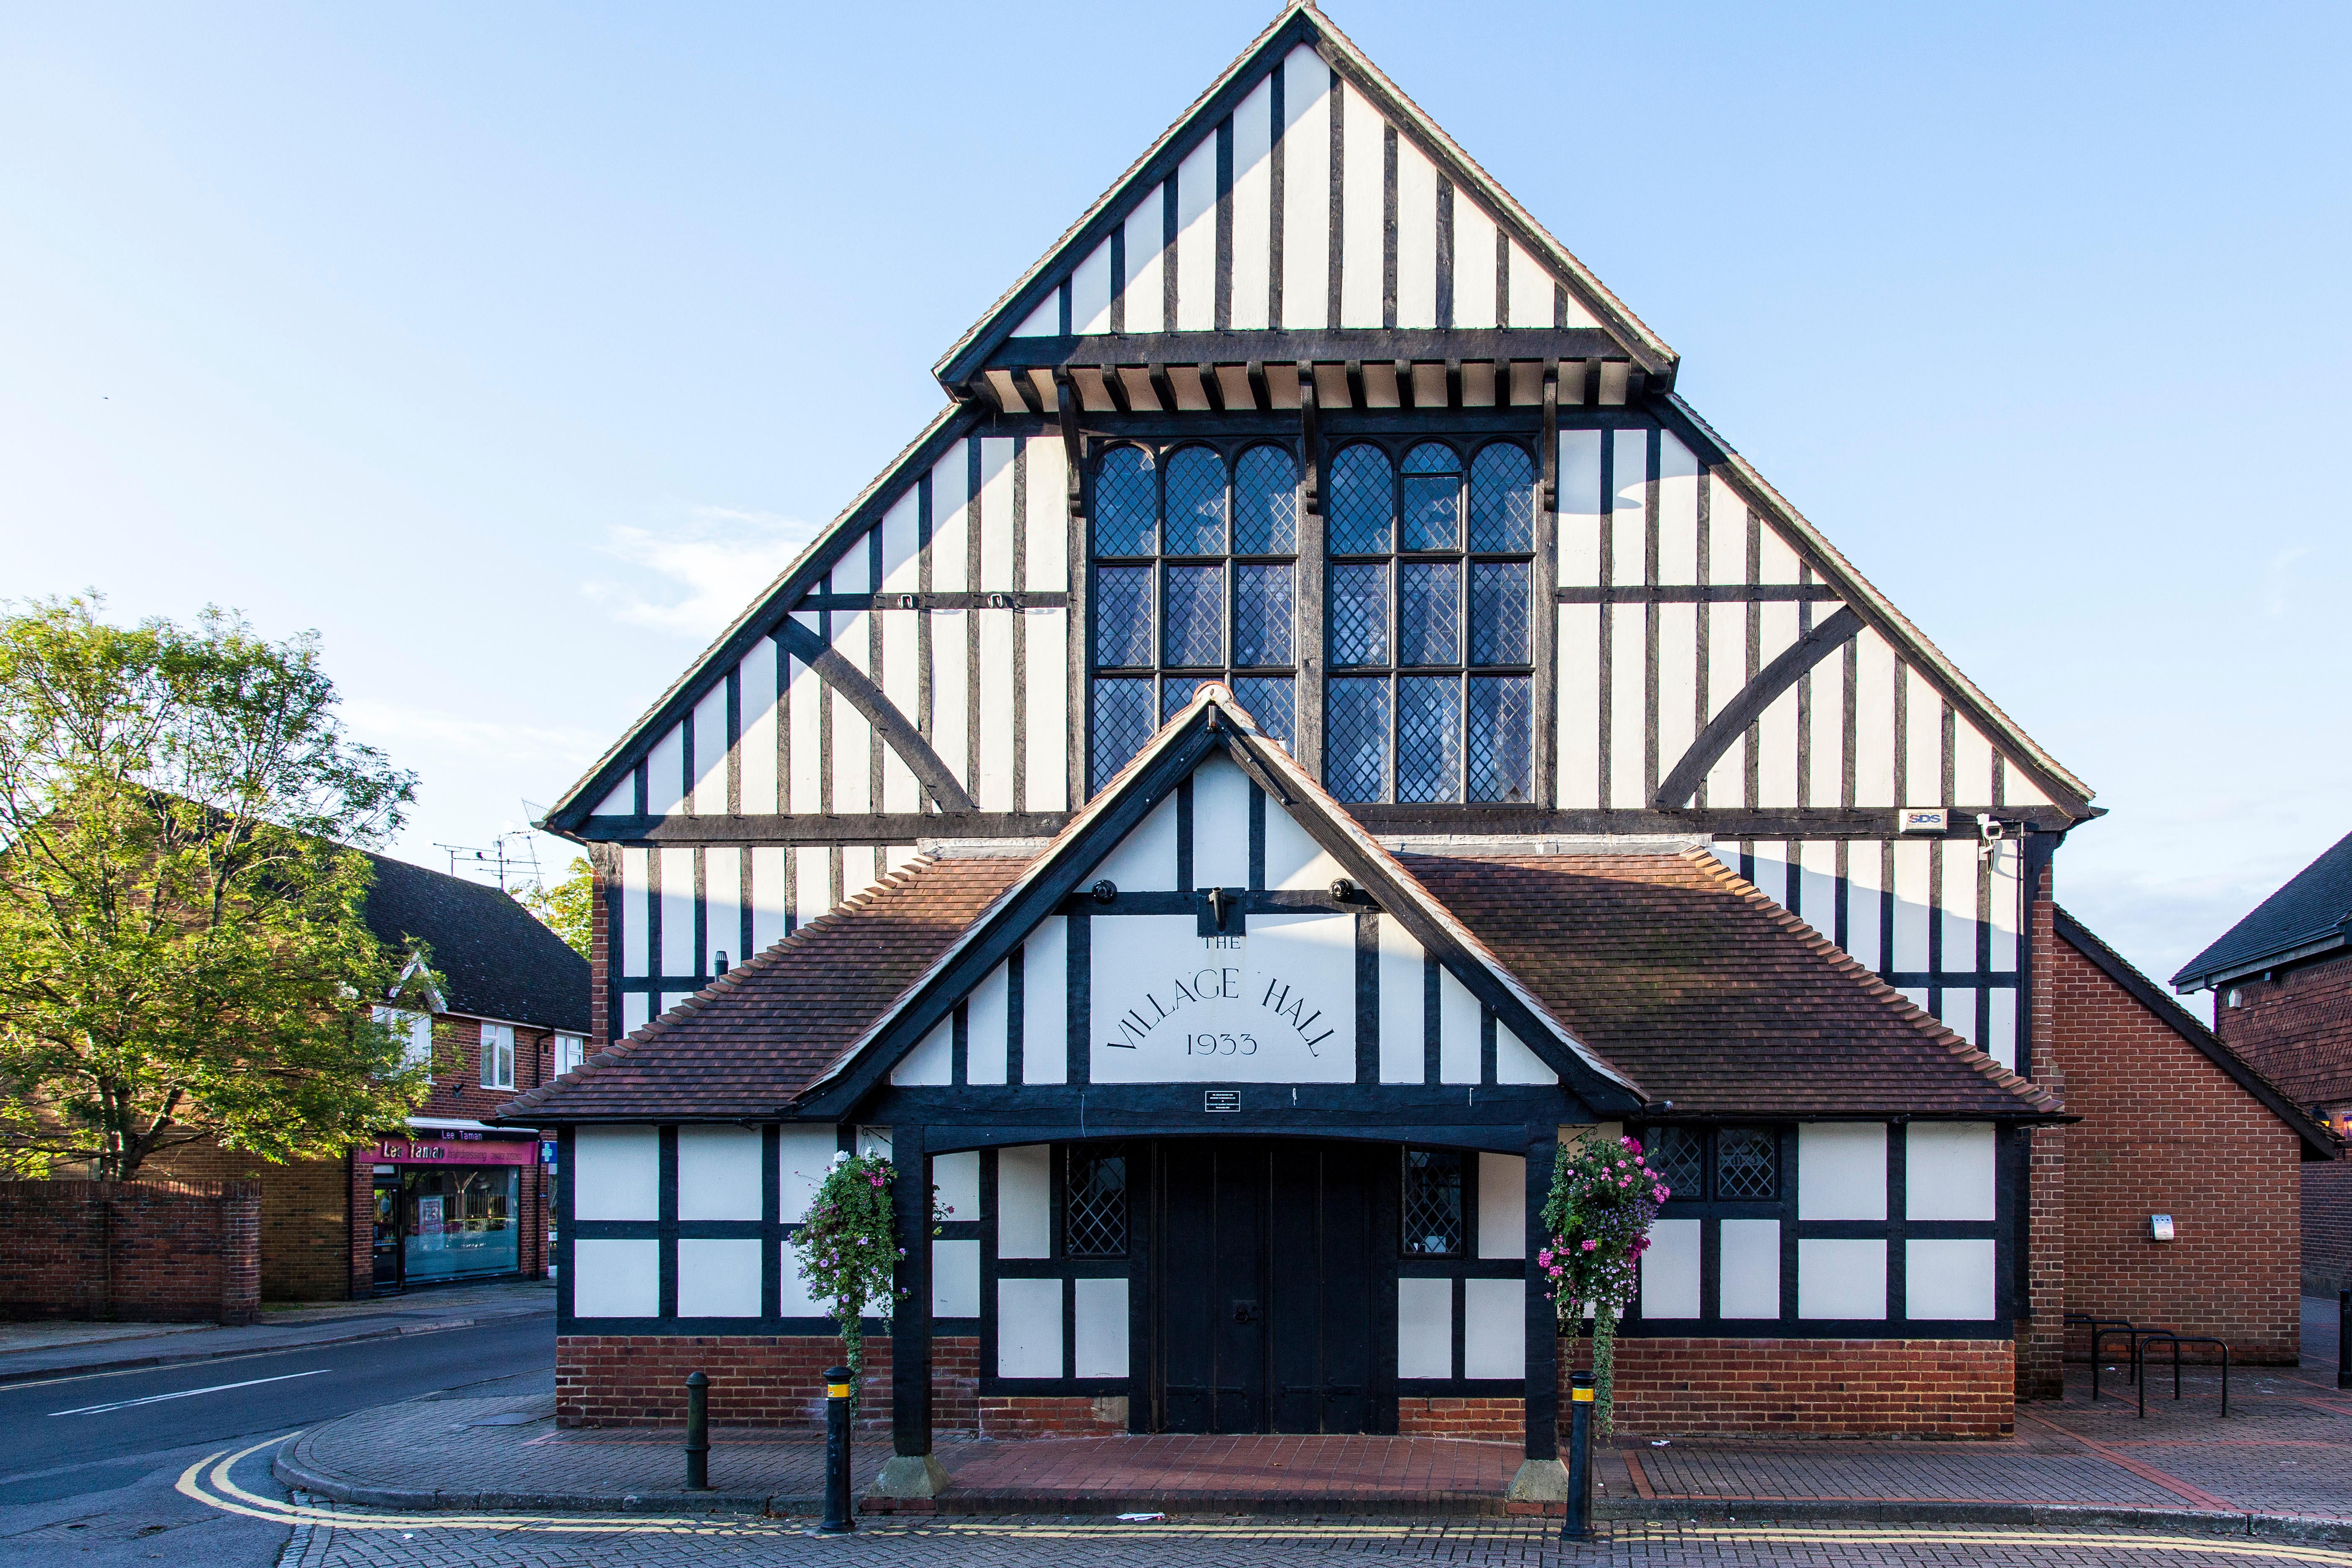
1276, 1006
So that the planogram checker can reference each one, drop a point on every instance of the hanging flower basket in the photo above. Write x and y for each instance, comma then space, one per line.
1603, 1200
849, 1252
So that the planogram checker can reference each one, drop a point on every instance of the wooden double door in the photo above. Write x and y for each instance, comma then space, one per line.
1273, 1276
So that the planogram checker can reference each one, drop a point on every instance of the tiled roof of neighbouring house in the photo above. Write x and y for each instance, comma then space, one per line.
495, 958
2313, 908
745, 1044
1708, 995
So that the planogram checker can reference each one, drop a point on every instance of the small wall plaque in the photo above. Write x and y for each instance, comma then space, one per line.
2159, 1227
1222, 1099
1924, 819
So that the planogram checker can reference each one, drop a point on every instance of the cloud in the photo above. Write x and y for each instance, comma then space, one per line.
398, 728
2277, 579
712, 562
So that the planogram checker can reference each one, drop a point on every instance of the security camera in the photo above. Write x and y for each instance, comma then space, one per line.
1989, 827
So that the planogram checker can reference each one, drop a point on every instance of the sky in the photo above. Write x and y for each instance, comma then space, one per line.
513, 348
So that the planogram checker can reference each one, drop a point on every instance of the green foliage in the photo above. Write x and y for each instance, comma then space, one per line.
183, 951
1603, 1200
849, 1250
568, 908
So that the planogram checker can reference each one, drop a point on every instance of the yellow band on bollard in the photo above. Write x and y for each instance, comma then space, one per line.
836, 1391
1581, 1395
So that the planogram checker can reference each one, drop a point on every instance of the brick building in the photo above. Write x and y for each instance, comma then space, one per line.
2282, 984
456, 1197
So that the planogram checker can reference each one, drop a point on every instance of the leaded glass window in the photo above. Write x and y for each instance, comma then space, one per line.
1431, 1209
1094, 1206
1195, 579
1679, 1156
1747, 1163
1430, 623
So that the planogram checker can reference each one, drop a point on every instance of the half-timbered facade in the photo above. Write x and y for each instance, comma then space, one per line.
1316, 719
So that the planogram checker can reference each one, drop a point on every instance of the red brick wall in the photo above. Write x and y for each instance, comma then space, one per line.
2295, 1030
306, 1214
2326, 1228
139, 1251
1490, 1420
2042, 1332
1813, 1388
2164, 1131
620, 1380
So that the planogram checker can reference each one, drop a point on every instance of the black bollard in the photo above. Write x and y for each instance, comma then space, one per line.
837, 1517
2344, 1339
697, 1432
1578, 1524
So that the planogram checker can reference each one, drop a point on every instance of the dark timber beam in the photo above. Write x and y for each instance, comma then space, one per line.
1115, 385
1338, 344
862, 694
1774, 679
1212, 386
1310, 452
1074, 446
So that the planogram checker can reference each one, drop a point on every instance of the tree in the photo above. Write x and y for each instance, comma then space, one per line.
567, 909
183, 946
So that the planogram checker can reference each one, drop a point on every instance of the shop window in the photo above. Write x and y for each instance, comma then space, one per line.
1094, 1207
1195, 580
458, 1221
498, 1056
1432, 1203
1430, 625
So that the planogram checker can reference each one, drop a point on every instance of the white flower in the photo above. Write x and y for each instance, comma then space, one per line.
839, 1160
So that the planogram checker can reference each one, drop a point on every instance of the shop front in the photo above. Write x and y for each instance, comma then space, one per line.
450, 1202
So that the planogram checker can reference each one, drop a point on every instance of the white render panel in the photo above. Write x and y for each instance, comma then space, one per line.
1865, 880
1502, 1206
902, 544
722, 898
1425, 1328
1196, 239
950, 482
718, 1172
813, 868
1580, 706
1950, 1279
1874, 721
1363, 202
955, 1279
1579, 509
1028, 1327
1458, 1016
956, 1177
2017, 789
1402, 1014
1923, 753
1678, 682
1910, 938
995, 514
1099, 1344
719, 1278
1827, 681
1045, 1002
1145, 305
1416, 243
1727, 675
710, 751
1972, 764
676, 910
1775, 562
1726, 536
1024, 1203
635, 1011
665, 773
796, 1300
902, 682
635, 899
1293, 861
949, 682
1948, 1172
616, 1173
1770, 863
1494, 1327
1044, 322
1776, 742
1047, 786
1090, 292
852, 735
757, 680
1145, 861
849, 573
1220, 824
1047, 565
1515, 1063
2000, 1036
615, 1278
804, 699
1841, 1171
1531, 291
1670, 1271
803, 1153
1305, 190
1749, 1282
988, 1026
622, 801
1253, 205
1678, 511
1629, 707
1628, 513
1474, 269
2002, 909
994, 787
1814, 897
1840, 1277
1276, 1006
932, 1061
1959, 903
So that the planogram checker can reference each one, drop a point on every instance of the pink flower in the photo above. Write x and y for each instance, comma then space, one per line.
875, 1179
1661, 1192
1631, 1145
1590, 1245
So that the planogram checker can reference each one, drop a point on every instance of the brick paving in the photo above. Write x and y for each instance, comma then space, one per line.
1410, 1473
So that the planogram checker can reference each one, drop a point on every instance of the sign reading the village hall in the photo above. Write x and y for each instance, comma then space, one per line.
1275, 1006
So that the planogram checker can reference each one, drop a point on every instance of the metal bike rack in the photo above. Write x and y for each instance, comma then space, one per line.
2151, 1336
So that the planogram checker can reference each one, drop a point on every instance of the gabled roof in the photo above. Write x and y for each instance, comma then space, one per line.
495, 958
1715, 997
2313, 914
2318, 1143
1300, 24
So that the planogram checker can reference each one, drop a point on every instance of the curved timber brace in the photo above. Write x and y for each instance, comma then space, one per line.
1774, 679
862, 694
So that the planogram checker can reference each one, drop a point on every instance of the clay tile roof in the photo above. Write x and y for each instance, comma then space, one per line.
1708, 995
749, 1042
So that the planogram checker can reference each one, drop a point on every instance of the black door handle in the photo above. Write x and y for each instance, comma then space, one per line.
1245, 1312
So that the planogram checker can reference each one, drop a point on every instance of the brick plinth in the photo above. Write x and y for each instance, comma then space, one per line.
1051, 1416
1812, 1388
1489, 1420
770, 1381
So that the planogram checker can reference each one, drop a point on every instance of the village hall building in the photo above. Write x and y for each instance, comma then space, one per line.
1314, 722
